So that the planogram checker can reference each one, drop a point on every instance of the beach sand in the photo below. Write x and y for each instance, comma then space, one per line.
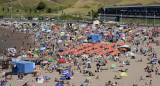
135, 69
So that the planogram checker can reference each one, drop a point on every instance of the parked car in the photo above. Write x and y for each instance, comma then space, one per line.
22, 18
1, 17
35, 18
52, 18
41, 18
30, 18
46, 18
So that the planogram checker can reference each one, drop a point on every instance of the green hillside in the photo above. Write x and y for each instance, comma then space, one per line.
28, 7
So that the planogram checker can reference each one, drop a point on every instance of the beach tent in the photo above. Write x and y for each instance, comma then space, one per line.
96, 22
61, 60
23, 66
94, 38
124, 46
123, 74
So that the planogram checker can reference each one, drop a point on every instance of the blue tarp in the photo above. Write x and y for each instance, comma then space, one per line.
23, 66
94, 38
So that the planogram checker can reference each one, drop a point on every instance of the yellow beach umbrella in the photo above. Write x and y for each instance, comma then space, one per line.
130, 31
60, 68
123, 74
36, 70
79, 37
29, 52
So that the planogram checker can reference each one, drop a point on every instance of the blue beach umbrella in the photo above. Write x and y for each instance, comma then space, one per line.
4, 83
47, 78
154, 60
48, 31
60, 50
59, 84
67, 69
63, 79
64, 71
54, 66
68, 75
37, 35
88, 62
42, 48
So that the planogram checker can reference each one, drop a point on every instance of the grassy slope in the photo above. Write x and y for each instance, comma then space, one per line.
69, 6
83, 6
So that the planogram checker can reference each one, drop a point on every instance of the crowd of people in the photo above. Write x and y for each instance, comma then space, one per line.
51, 48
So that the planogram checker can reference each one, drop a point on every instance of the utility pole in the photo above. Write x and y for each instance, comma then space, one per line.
11, 10
146, 15
104, 14
58, 17
154, 19
121, 19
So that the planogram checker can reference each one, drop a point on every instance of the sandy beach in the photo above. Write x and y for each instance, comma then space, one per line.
135, 70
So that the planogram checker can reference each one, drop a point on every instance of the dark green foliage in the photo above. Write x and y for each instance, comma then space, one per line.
41, 6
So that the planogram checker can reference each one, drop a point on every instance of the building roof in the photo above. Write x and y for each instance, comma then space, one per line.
128, 6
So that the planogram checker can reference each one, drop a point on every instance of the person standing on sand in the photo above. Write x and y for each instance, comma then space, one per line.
72, 84
150, 82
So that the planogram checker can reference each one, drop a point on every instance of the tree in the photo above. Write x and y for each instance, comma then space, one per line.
89, 13
2, 9
49, 10
30, 10
17, 10
35, 11
41, 6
